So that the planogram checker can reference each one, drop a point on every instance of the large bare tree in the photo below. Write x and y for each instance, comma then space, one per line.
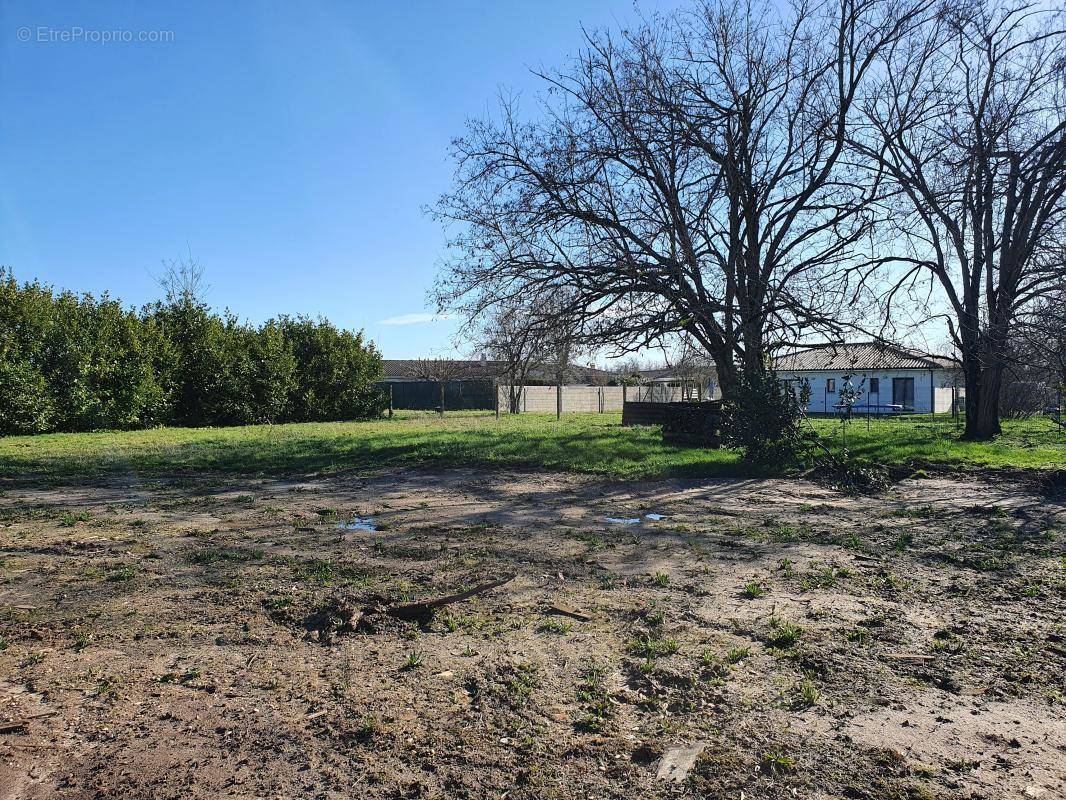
968, 125
684, 178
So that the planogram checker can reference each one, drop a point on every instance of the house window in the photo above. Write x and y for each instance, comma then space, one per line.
830, 384
875, 385
903, 392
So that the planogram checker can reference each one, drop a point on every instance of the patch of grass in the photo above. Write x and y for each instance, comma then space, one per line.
653, 648
783, 634
596, 705
858, 634
68, 519
518, 682
369, 728
737, 654
415, 659
852, 541
191, 674
276, 602
122, 574
594, 443
556, 625
826, 577
891, 581
779, 532
661, 579
775, 762
317, 570
753, 590
804, 695
209, 556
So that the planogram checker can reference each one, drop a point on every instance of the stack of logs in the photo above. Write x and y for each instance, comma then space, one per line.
693, 424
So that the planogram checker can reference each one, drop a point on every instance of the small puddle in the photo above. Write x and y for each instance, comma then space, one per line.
634, 520
358, 524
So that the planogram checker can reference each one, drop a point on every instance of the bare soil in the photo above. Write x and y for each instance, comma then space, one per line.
203, 637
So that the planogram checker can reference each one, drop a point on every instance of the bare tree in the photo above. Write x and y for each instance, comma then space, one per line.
182, 281
630, 372
968, 124
687, 178
564, 343
442, 371
1038, 350
512, 334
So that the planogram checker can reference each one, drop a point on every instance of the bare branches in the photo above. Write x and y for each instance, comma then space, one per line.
686, 179
968, 124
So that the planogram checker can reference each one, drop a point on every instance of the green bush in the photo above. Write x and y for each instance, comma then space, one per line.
76, 363
763, 421
335, 373
25, 405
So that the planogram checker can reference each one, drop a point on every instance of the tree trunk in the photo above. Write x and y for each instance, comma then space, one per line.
728, 377
982, 398
985, 417
442, 398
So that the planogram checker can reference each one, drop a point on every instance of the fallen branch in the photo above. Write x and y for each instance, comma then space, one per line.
566, 611
424, 608
18, 724
910, 656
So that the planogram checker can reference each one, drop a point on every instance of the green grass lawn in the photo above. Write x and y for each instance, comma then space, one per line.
594, 443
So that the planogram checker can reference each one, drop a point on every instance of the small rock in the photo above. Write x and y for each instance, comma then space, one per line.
677, 762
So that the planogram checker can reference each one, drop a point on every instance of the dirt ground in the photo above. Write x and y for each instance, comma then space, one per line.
203, 637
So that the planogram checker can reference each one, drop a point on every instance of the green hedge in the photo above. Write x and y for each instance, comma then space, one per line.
78, 363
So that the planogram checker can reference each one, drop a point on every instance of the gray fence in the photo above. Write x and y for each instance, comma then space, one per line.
425, 395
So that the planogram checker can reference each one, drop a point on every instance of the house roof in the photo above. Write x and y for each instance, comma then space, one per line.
411, 369
859, 356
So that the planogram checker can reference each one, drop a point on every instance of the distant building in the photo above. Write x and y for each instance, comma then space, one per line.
889, 379
469, 384
490, 370
664, 384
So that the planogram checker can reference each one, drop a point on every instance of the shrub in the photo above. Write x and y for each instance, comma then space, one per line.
336, 372
763, 420
74, 363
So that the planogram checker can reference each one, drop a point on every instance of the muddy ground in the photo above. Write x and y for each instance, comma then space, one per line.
198, 637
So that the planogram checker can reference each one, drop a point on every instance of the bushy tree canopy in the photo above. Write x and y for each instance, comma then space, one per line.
74, 363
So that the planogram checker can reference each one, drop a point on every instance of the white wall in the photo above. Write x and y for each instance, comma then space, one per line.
576, 399
823, 402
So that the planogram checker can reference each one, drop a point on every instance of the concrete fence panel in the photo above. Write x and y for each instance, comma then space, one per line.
576, 399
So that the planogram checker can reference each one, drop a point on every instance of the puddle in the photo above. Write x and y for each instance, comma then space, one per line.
633, 520
358, 524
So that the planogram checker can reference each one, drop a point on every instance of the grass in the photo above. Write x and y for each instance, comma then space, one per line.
591, 443
1035, 443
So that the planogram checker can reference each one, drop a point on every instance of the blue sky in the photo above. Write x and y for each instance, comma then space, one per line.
289, 146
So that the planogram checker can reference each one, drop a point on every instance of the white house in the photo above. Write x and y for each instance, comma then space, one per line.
887, 379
